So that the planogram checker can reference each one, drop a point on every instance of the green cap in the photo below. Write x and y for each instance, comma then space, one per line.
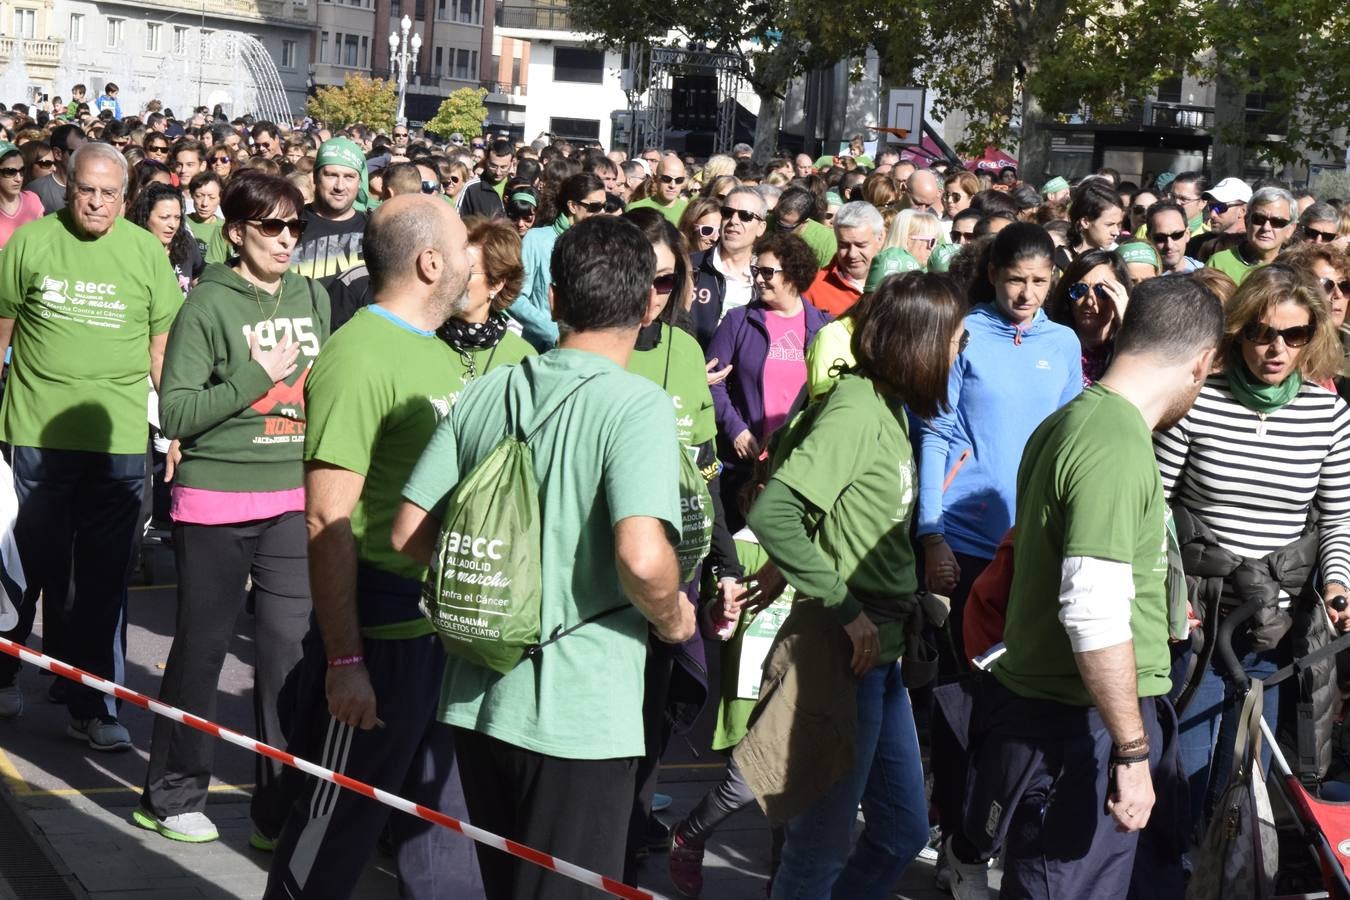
824, 162
886, 263
832, 198
942, 257
1054, 184
1139, 252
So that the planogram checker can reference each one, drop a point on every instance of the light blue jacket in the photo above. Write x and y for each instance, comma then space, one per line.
531, 309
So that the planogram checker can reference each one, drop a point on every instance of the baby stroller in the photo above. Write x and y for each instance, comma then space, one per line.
1321, 826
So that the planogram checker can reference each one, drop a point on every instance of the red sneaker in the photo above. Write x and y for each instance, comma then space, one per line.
686, 863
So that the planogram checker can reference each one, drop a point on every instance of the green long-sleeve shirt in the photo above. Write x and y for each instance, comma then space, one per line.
239, 431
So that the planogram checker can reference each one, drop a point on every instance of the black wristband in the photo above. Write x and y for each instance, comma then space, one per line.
1119, 760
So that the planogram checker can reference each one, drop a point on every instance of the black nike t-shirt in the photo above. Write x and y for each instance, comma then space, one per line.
328, 248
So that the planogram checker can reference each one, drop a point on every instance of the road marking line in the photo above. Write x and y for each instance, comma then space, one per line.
82, 792
13, 777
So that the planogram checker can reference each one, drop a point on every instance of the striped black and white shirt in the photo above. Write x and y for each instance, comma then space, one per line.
1253, 478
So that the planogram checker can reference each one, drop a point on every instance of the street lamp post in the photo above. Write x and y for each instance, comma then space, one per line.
402, 54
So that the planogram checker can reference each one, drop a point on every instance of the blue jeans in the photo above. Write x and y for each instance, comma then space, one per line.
887, 777
1208, 726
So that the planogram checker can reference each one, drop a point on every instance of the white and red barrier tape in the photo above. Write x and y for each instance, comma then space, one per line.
529, 854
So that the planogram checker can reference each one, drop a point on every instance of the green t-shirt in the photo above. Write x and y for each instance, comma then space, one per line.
608, 454
205, 233
85, 311
820, 238
373, 400
1088, 486
852, 459
831, 348
673, 211
1229, 263
511, 349
218, 250
676, 365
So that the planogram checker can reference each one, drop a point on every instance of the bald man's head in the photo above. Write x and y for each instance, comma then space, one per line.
415, 244
925, 192
670, 178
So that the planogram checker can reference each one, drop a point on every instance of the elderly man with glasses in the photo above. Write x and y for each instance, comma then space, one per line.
1270, 225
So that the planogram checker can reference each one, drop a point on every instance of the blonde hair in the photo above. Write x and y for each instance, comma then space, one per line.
716, 167
910, 223
1268, 287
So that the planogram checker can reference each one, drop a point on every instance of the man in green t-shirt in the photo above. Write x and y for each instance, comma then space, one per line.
549, 750
667, 187
1068, 740
1270, 225
87, 301
373, 399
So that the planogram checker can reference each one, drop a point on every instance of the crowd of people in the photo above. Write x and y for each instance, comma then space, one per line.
951, 429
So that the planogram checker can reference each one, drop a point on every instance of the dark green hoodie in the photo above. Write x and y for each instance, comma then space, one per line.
239, 431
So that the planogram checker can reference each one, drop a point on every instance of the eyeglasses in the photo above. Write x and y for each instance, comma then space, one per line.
220, 160
1260, 220
663, 284
274, 227
964, 341
156, 149
744, 215
1079, 292
925, 241
1315, 236
707, 230
1187, 199
399, 134
1342, 287
960, 237
1219, 209
1261, 334
765, 272
671, 179
87, 192
44, 163
1162, 237
953, 196
592, 208
1138, 210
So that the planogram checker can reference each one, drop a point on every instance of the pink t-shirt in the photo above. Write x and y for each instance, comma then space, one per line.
784, 369
30, 208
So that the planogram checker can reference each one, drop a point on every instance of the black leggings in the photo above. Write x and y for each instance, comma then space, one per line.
214, 562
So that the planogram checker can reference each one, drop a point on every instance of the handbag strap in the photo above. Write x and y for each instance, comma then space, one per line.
510, 419
1247, 745
559, 632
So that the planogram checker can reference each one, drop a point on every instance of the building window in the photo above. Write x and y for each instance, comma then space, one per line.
180, 34
515, 71
578, 65
208, 43
442, 12
323, 46
395, 11
461, 72
288, 54
152, 33
25, 23
470, 12
438, 63
77, 30
1169, 91
351, 47
365, 51
116, 28
575, 129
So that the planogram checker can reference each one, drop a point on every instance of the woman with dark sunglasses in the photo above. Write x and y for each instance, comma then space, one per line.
1262, 453
17, 206
522, 207
1330, 268
1090, 298
38, 161
579, 197
701, 223
232, 398
221, 161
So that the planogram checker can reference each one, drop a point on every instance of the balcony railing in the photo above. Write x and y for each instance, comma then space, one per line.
1181, 115
543, 18
33, 49
503, 87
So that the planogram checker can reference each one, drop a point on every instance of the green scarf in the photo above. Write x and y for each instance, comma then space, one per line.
561, 224
1258, 396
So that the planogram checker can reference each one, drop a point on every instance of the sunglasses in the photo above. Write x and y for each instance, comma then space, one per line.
1079, 292
454, 179
1260, 334
592, 208
965, 341
44, 163
220, 160
1138, 210
960, 237
1327, 284
527, 216
156, 149
1219, 209
744, 215
707, 230
430, 187
1260, 220
765, 272
10, 173
953, 197
1324, 237
1162, 237
274, 227
926, 241
671, 179
663, 284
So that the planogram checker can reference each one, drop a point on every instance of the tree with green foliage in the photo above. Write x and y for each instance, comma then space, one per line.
360, 99
462, 112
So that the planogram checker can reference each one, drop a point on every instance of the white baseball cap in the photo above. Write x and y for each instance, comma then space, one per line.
1230, 191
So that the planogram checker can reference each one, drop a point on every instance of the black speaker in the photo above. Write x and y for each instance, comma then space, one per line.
693, 103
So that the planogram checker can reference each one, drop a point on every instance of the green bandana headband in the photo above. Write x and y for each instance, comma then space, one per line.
1054, 184
832, 198
1139, 252
522, 197
341, 151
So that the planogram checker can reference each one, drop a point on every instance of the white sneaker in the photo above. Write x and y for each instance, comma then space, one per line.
191, 827
969, 881
11, 702
100, 734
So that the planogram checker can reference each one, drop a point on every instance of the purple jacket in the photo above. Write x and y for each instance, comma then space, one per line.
743, 340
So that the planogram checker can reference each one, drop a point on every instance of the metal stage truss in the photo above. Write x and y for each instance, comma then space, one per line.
682, 91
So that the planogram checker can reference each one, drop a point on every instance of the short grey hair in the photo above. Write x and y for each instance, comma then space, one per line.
96, 150
1268, 195
859, 214
746, 190
1321, 211
766, 192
